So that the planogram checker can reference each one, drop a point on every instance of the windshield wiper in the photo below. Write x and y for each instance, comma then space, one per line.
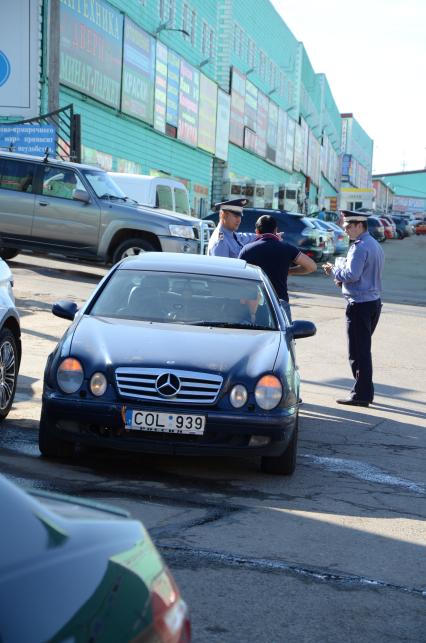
247, 326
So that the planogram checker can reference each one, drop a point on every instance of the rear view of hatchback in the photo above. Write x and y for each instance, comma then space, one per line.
376, 229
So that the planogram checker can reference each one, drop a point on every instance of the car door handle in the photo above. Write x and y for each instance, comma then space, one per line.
44, 203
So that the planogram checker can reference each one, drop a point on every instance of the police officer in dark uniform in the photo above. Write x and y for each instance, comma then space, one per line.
361, 282
225, 240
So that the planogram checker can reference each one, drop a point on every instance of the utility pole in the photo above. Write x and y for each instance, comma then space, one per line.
53, 56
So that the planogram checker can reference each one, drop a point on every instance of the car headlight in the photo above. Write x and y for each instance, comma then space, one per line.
98, 384
70, 375
184, 231
238, 396
268, 392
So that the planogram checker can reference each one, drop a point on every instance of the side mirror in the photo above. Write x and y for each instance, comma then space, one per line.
65, 309
302, 328
81, 195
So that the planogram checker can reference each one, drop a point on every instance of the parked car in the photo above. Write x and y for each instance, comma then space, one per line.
76, 570
77, 210
154, 191
10, 341
298, 229
376, 229
176, 354
420, 227
341, 239
389, 227
328, 237
403, 229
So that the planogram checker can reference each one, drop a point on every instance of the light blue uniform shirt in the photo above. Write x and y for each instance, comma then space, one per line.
225, 243
361, 276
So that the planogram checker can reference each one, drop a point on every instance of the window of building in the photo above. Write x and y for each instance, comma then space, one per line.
193, 25
251, 53
188, 22
238, 40
262, 65
207, 41
167, 12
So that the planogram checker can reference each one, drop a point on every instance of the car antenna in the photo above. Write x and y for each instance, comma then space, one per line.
46, 155
11, 147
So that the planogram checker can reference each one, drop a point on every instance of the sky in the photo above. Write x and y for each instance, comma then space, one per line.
373, 53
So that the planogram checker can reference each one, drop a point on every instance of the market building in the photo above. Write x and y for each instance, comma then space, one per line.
409, 191
220, 95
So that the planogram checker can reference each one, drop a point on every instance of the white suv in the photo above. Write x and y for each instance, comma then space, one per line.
10, 341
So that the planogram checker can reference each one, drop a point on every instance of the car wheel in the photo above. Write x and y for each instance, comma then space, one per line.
9, 366
8, 253
50, 445
131, 248
284, 464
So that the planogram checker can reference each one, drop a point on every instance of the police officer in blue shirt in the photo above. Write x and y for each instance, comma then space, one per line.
225, 241
361, 282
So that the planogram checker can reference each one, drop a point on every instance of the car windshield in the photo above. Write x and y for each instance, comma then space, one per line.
103, 185
181, 298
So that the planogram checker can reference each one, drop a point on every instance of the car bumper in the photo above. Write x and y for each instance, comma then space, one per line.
178, 244
95, 423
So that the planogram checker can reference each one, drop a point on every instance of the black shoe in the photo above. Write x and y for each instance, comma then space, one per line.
351, 402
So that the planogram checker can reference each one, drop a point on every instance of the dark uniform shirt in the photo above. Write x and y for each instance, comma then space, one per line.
274, 257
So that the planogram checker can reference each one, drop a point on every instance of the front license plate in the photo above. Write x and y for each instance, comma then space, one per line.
164, 422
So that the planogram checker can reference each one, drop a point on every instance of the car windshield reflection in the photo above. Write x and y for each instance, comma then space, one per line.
206, 300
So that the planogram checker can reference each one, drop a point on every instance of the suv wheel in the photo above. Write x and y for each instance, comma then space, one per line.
131, 248
8, 253
9, 361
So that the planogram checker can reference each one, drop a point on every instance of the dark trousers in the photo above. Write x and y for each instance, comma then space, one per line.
361, 321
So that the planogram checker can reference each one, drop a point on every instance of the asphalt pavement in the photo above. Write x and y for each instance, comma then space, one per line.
335, 552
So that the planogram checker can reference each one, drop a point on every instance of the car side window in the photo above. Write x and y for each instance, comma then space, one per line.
16, 175
164, 198
60, 182
181, 201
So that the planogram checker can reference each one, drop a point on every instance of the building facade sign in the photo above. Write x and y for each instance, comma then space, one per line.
29, 139
91, 44
173, 73
222, 125
207, 115
160, 88
238, 94
19, 59
189, 94
137, 93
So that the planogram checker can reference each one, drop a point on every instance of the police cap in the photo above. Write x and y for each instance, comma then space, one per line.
234, 205
350, 216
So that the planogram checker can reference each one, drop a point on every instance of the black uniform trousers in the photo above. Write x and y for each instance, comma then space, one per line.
361, 321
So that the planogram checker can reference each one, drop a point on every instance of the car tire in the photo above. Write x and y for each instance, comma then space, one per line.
50, 445
8, 253
283, 464
9, 367
132, 247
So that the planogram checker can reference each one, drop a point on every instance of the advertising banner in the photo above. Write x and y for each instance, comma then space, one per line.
238, 93
271, 139
207, 114
173, 73
298, 148
19, 58
250, 107
137, 92
305, 145
29, 139
91, 43
262, 123
281, 138
189, 93
222, 124
289, 146
160, 87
